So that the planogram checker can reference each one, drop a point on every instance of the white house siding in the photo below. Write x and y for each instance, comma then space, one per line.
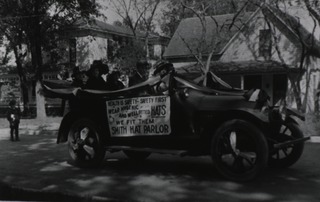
246, 47
90, 48
158, 49
313, 77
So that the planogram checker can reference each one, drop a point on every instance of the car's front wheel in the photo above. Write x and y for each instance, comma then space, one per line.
287, 156
239, 150
85, 146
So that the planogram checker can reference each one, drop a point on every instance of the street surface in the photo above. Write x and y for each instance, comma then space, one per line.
37, 162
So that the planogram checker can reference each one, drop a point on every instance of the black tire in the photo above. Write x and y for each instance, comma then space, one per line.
85, 150
285, 157
239, 150
137, 155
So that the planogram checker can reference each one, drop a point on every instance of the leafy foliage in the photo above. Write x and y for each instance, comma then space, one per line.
38, 24
37, 21
126, 56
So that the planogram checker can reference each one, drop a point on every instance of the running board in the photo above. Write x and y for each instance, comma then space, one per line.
287, 143
151, 150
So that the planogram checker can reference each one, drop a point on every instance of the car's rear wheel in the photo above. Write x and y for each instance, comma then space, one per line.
239, 150
85, 147
287, 156
137, 155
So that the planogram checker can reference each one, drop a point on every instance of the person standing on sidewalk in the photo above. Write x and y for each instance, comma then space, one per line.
13, 116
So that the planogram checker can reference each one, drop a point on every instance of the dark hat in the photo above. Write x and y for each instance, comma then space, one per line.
141, 64
12, 103
103, 68
96, 63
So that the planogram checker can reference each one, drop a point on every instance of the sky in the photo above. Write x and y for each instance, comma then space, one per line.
112, 16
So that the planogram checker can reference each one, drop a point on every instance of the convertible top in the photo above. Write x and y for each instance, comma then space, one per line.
58, 89
64, 89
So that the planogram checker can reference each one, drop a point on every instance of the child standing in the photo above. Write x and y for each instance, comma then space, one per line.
13, 116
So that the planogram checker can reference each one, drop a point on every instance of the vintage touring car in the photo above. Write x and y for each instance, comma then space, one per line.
171, 115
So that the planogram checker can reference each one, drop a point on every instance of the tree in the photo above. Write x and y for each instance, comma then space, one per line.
147, 19
38, 22
309, 47
125, 57
175, 11
12, 32
203, 45
127, 11
138, 15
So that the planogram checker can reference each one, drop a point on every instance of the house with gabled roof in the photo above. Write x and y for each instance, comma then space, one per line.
262, 49
186, 40
91, 40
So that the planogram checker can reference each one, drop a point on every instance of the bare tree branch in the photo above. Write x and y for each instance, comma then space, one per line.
237, 14
199, 60
312, 10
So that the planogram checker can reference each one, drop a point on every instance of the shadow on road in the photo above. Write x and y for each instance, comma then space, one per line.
38, 163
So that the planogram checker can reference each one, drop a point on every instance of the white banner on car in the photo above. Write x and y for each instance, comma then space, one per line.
141, 116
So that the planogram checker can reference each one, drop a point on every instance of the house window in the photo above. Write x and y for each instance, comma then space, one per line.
232, 80
252, 81
265, 43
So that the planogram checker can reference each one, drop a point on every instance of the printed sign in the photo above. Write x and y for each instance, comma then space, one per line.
139, 116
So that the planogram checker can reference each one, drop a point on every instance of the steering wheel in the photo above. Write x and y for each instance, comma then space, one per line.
162, 68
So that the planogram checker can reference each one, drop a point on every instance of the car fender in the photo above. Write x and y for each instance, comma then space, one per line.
293, 119
65, 126
215, 118
293, 114
72, 116
257, 114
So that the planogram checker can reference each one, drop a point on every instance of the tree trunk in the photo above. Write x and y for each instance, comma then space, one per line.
40, 101
147, 47
23, 80
41, 110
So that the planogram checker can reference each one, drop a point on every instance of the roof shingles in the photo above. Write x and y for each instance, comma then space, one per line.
187, 39
97, 25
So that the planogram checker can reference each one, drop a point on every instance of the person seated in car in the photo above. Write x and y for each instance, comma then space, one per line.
95, 81
79, 78
113, 81
141, 74
162, 68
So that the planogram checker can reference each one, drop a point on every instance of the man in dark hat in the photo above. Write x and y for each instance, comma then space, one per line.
141, 73
113, 81
95, 80
13, 116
